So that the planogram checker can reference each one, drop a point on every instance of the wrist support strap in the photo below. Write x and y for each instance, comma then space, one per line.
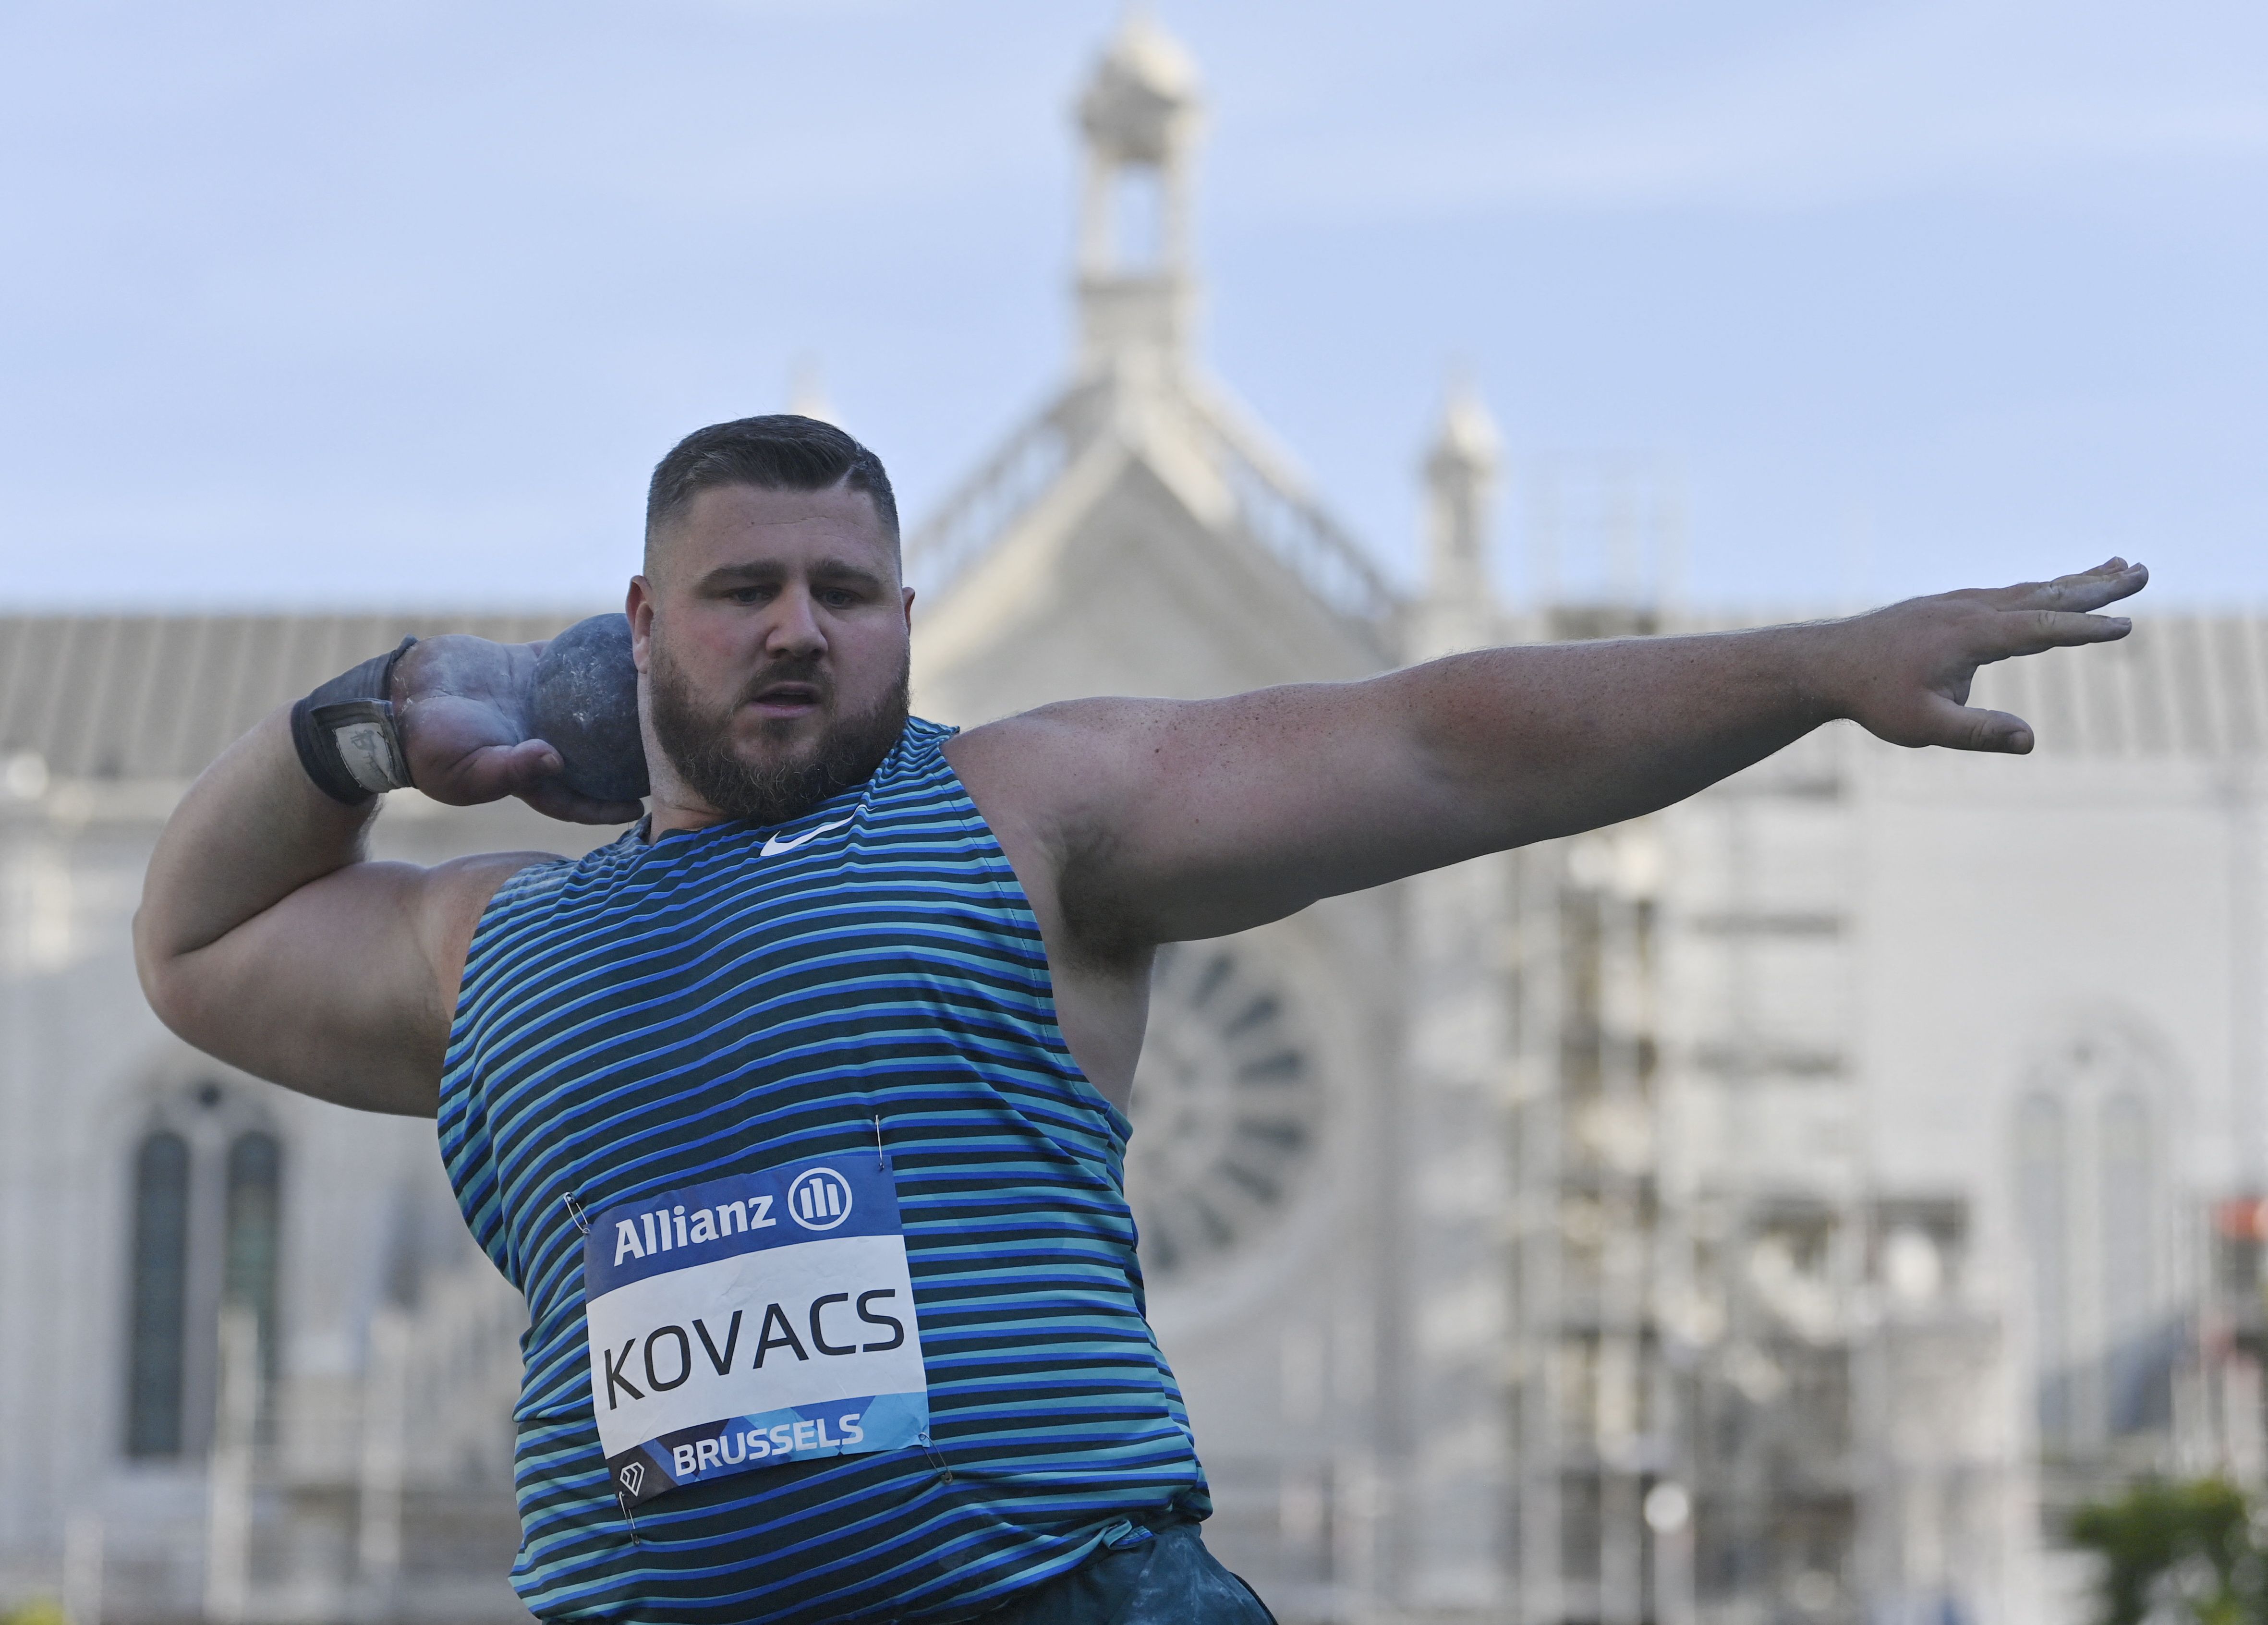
345, 733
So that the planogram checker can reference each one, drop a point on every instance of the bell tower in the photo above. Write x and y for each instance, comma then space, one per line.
1460, 472
1138, 119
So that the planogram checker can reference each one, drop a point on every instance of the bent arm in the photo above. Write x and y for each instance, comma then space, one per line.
267, 939
1190, 821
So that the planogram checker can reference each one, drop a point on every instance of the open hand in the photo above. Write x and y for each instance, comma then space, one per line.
1905, 672
462, 706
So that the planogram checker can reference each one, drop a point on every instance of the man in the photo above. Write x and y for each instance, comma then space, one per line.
796, 1112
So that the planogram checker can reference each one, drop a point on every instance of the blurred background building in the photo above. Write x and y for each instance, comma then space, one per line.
1778, 1209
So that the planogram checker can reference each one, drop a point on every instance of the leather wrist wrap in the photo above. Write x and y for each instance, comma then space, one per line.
345, 733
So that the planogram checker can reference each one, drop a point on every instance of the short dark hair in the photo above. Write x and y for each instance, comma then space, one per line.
777, 452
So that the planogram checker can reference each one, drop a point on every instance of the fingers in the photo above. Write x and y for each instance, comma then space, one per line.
1955, 634
530, 770
1970, 727
488, 772
2091, 589
553, 799
495, 771
2028, 632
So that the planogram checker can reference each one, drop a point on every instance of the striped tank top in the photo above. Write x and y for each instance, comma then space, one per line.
660, 1014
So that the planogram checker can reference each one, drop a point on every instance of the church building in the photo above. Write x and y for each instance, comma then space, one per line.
1782, 1208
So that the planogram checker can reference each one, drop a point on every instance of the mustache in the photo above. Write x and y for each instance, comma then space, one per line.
803, 669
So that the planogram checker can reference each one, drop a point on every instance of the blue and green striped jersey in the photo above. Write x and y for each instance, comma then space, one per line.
666, 1012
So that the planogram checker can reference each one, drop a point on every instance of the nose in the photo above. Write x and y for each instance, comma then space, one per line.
792, 630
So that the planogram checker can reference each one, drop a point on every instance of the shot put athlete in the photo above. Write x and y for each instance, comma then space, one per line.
796, 1112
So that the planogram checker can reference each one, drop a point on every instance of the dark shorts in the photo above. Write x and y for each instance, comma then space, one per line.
1168, 1579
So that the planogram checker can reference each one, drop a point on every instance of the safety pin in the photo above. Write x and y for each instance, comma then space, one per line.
944, 1468
574, 1212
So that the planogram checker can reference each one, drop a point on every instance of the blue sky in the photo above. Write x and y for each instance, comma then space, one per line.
397, 303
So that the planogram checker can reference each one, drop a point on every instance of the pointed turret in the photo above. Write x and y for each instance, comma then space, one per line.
1138, 117
1142, 442
1461, 475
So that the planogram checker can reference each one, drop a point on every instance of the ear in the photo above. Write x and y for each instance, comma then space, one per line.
907, 606
639, 607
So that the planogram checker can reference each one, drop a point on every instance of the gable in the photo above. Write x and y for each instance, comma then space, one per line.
1129, 577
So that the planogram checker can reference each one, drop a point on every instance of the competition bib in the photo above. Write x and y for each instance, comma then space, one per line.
753, 1321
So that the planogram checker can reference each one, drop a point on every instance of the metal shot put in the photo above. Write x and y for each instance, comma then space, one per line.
797, 1112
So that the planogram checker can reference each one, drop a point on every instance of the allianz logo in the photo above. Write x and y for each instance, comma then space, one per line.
818, 1199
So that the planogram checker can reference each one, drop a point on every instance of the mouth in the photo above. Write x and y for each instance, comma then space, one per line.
785, 700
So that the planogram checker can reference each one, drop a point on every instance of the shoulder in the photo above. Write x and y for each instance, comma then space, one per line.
453, 896
1034, 751
461, 889
1082, 765
1051, 772
1058, 787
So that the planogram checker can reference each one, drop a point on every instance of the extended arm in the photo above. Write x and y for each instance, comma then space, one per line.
267, 937
1190, 820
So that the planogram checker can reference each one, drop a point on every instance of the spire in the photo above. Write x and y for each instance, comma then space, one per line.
1138, 118
1460, 473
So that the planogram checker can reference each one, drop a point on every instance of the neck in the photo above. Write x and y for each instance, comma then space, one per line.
666, 816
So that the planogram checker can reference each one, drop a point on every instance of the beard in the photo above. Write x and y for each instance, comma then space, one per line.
697, 738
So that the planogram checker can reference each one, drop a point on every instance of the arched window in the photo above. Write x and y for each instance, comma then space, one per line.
2092, 1206
256, 1164
206, 1231
158, 1338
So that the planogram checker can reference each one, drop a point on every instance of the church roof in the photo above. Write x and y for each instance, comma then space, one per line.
1270, 507
158, 697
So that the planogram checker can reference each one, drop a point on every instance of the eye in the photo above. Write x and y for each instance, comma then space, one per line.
837, 597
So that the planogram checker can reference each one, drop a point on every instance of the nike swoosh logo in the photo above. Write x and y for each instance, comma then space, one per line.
774, 845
